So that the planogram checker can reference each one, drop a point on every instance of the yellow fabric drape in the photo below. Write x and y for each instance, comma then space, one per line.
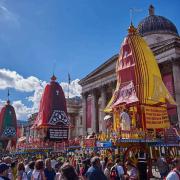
116, 121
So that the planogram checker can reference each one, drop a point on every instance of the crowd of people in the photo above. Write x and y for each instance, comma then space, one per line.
61, 167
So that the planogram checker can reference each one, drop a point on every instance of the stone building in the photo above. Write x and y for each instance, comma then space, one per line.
97, 87
74, 109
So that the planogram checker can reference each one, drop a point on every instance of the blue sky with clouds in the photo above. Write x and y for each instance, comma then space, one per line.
75, 35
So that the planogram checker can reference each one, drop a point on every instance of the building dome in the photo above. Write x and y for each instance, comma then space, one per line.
154, 24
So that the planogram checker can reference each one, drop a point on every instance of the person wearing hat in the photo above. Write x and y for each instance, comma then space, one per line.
4, 171
95, 171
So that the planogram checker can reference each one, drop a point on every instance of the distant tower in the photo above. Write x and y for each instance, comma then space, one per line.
8, 125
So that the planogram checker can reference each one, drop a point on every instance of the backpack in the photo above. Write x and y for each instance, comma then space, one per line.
114, 173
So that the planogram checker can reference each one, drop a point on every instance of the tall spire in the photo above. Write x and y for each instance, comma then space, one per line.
53, 78
151, 10
8, 94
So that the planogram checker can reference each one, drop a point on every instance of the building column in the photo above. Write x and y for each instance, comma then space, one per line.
69, 135
176, 73
84, 107
94, 112
102, 113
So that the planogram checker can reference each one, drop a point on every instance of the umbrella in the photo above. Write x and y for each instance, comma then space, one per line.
107, 117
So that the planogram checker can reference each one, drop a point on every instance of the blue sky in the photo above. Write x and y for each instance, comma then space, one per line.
75, 35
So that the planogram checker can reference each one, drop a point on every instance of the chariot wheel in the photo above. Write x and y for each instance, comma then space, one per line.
172, 153
131, 154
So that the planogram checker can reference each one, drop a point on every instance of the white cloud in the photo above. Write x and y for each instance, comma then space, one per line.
22, 111
36, 97
11, 79
74, 88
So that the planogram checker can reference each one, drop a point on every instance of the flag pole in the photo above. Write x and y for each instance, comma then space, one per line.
8, 94
69, 82
132, 11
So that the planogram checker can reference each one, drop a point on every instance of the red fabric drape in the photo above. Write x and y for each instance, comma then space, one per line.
168, 81
52, 99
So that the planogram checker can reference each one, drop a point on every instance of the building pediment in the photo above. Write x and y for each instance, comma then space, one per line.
103, 70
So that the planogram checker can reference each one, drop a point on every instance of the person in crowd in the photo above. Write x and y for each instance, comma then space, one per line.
4, 171
68, 172
31, 169
85, 166
58, 165
142, 166
132, 173
78, 165
53, 162
21, 174
8, 161
163, 166
117, 170
104, 163
58, 174
175, 173
14, 169
107, 170
38, 173
49, 172
95, 171
26, 165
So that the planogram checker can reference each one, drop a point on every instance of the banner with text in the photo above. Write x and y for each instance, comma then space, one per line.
156, 117
58, 134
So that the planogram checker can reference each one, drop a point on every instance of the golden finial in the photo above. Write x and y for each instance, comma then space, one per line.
132, 29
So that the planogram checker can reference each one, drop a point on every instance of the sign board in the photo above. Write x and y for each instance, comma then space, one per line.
156, 117
105, 144
171, 136
89, 142
57, 134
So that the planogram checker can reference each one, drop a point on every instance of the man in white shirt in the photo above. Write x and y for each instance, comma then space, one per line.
53, 162
125, 120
